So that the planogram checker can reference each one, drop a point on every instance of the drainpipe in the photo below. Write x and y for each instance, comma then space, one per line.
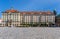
45, 20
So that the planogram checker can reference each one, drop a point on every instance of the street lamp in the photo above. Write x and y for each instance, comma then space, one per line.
9, 21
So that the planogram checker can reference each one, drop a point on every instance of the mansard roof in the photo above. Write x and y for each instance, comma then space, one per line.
37, 13
13, 11
30, 12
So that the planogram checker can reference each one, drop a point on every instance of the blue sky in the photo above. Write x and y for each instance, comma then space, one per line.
30, 5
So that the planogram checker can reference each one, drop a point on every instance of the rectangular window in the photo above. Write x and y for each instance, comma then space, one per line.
36, 19
43, 18
27, 19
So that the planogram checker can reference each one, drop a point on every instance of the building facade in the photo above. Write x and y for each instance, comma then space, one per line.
16, 18
0, 22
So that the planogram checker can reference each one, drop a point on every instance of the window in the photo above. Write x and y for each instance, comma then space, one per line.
36, 18
43, 18
27, 19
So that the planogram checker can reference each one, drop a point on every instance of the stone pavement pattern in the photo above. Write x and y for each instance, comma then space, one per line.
29, 33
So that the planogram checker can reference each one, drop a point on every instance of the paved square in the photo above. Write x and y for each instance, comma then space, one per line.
29, 33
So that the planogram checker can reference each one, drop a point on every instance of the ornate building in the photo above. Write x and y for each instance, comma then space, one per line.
16, 18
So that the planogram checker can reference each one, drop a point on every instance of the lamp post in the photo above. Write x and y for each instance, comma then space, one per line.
9, 20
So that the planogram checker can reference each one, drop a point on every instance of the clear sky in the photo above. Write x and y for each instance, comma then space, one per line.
30, 5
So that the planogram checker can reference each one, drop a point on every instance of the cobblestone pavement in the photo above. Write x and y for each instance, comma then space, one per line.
29, 33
